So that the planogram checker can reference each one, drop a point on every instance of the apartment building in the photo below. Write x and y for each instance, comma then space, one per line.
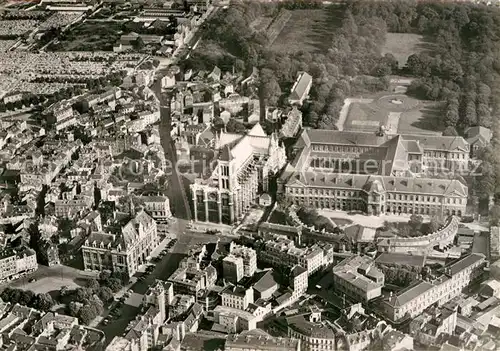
72, 205
242, 167
60, 115
158, 207
16, 263
299, 280
43, 331
232, 268
160, 295
190, 278
432, 325
412, 301
281, 251
124, 252
357, 277
237, 297
376, 173
248, 255
314, 333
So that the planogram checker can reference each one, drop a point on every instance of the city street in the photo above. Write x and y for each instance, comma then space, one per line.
186, 240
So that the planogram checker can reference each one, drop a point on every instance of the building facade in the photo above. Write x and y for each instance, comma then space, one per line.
16, 263
377, 174
232, 268
243, 166
281, 251
248, 255
237, 297
412, 301
125, 252
158, 207
249, 342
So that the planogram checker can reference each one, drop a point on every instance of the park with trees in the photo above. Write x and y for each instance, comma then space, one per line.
460, 65
85, 302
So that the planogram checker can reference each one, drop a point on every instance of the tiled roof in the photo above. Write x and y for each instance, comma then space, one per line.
411, 293
412, 142
390, 184
465, 262
266, 282
314, 330
297, 270
396, 258
300, 87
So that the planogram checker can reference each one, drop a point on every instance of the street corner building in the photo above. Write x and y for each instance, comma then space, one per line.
123, 252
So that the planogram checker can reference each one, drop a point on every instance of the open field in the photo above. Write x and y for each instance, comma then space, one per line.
49, 284
397, 112
308, 30
402, 45
90, 36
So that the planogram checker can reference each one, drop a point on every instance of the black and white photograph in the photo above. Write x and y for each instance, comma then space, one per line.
249, 175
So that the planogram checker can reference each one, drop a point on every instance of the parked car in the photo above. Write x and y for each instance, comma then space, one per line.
32, 280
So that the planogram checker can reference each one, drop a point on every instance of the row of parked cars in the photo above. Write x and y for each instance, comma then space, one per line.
162, 254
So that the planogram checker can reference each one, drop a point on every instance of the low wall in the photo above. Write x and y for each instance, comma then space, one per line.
344, 111
310, 230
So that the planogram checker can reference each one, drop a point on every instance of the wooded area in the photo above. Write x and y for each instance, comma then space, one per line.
460, 67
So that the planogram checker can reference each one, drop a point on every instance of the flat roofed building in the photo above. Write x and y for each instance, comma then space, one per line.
248, 255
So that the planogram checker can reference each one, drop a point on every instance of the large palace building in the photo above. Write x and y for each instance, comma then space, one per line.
378, 173
241, 169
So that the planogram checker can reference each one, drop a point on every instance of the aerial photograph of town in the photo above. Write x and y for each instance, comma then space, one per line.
249, 175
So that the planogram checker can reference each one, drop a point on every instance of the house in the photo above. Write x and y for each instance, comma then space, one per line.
126, 42
478, 137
